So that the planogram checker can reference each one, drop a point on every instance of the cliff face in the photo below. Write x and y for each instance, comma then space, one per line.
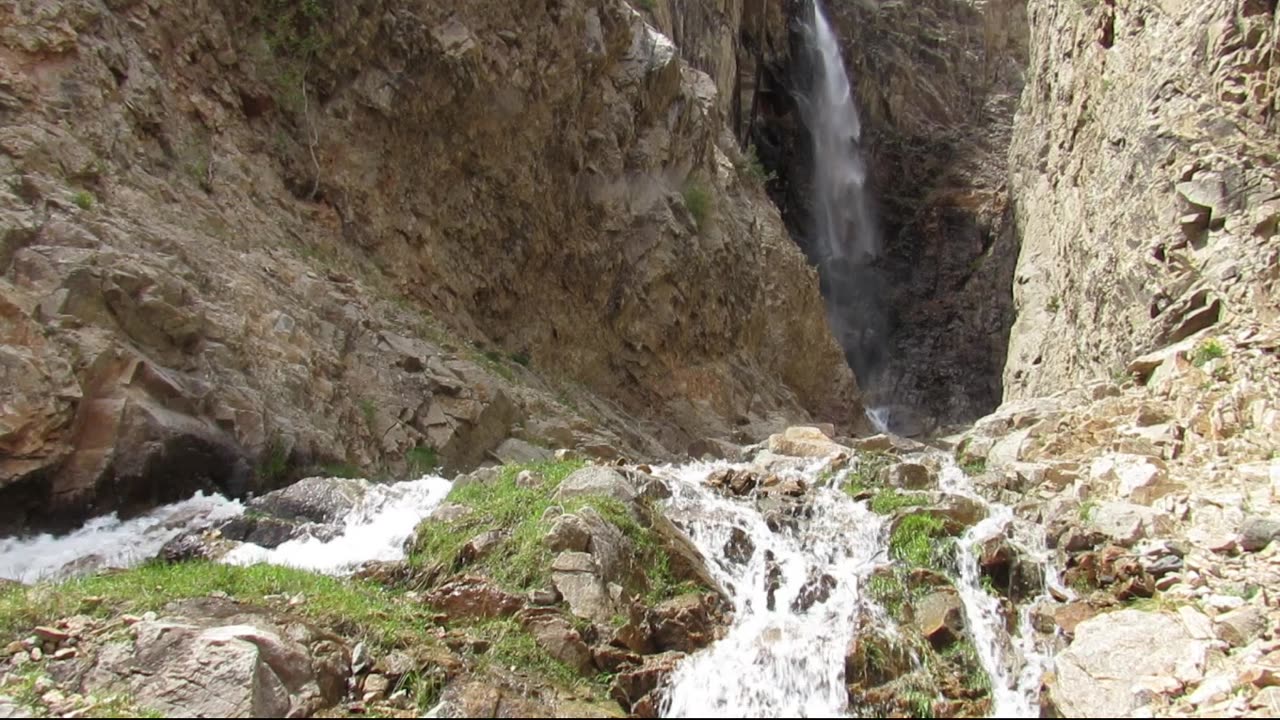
1144, 188
246, 235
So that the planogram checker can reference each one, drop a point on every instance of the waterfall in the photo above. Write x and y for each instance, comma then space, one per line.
845, 240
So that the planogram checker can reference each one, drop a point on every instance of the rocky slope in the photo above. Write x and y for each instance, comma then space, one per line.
247, 237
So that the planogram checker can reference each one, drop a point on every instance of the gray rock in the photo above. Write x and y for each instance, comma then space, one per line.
9, 708
514, 451
1258, 532
315, 499
596, 480
912, 476
577, 578
1098, 673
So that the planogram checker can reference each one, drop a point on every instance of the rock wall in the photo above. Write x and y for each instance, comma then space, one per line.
246, 235
1144, 188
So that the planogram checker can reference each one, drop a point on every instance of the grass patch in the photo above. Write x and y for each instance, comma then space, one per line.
512, 649
889, 500
1086, 511
521, 561
342, 470
865, 473
963, 657
974, 467
357, 609
83, 199
697, 198
273, 465
914, 541
422, 460
1208, 350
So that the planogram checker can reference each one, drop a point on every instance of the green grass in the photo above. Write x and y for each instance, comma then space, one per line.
915, 541
511, 648
963, 657
1053, 305
422, 460
1208, 350
522, 561
368, 409
974, 467
520, 358
1087, 509
342, 470
697, 198
273, 464
888, 500
83, 199
865, 473
357, 609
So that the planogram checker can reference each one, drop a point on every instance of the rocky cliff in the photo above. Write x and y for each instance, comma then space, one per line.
1143, 182
245, 236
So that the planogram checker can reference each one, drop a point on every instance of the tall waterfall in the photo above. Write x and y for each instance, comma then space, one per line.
845, 238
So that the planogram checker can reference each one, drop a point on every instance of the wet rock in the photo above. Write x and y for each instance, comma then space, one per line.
632, 687
873, 659
185, 548
597, 480
1069, 616
739, 547
473, 597
815, 590
939, 617
685, 623
1097, 674
686, 563
803, 442
731, 481
316, 500
264, 530
910, 476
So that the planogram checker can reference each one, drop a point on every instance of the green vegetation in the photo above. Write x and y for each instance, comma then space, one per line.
1208, 350
273, 464
750, 169
341, 470
974, 466
963, 657
915, 541
422, 460
1087, 509
1054, 304
697, 198
521, 561
520, 358
866, 472
361, 610
83, 199
889, 500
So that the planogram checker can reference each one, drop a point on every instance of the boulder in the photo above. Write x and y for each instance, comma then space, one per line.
1141, 479
911, 476
317, 500
631, 687
940, 617
803, 441
223, 663
577, 577
1127, 523
597, 480
1258, 532
1241, 626
685, 623
557, 636
473, 597
1098, 673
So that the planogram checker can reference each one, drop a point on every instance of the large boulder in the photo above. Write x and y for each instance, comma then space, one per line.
804, 442
597, 480
1112, 655
212, 660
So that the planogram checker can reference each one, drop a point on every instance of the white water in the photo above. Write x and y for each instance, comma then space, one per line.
846, 227
774, 662
375, 529
1015, 667
107, 541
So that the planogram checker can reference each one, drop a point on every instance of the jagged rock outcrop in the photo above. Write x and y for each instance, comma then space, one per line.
1142, 181
275, 229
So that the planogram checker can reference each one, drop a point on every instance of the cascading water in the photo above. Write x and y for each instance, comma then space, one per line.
780, 658
845, 236
797, 595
